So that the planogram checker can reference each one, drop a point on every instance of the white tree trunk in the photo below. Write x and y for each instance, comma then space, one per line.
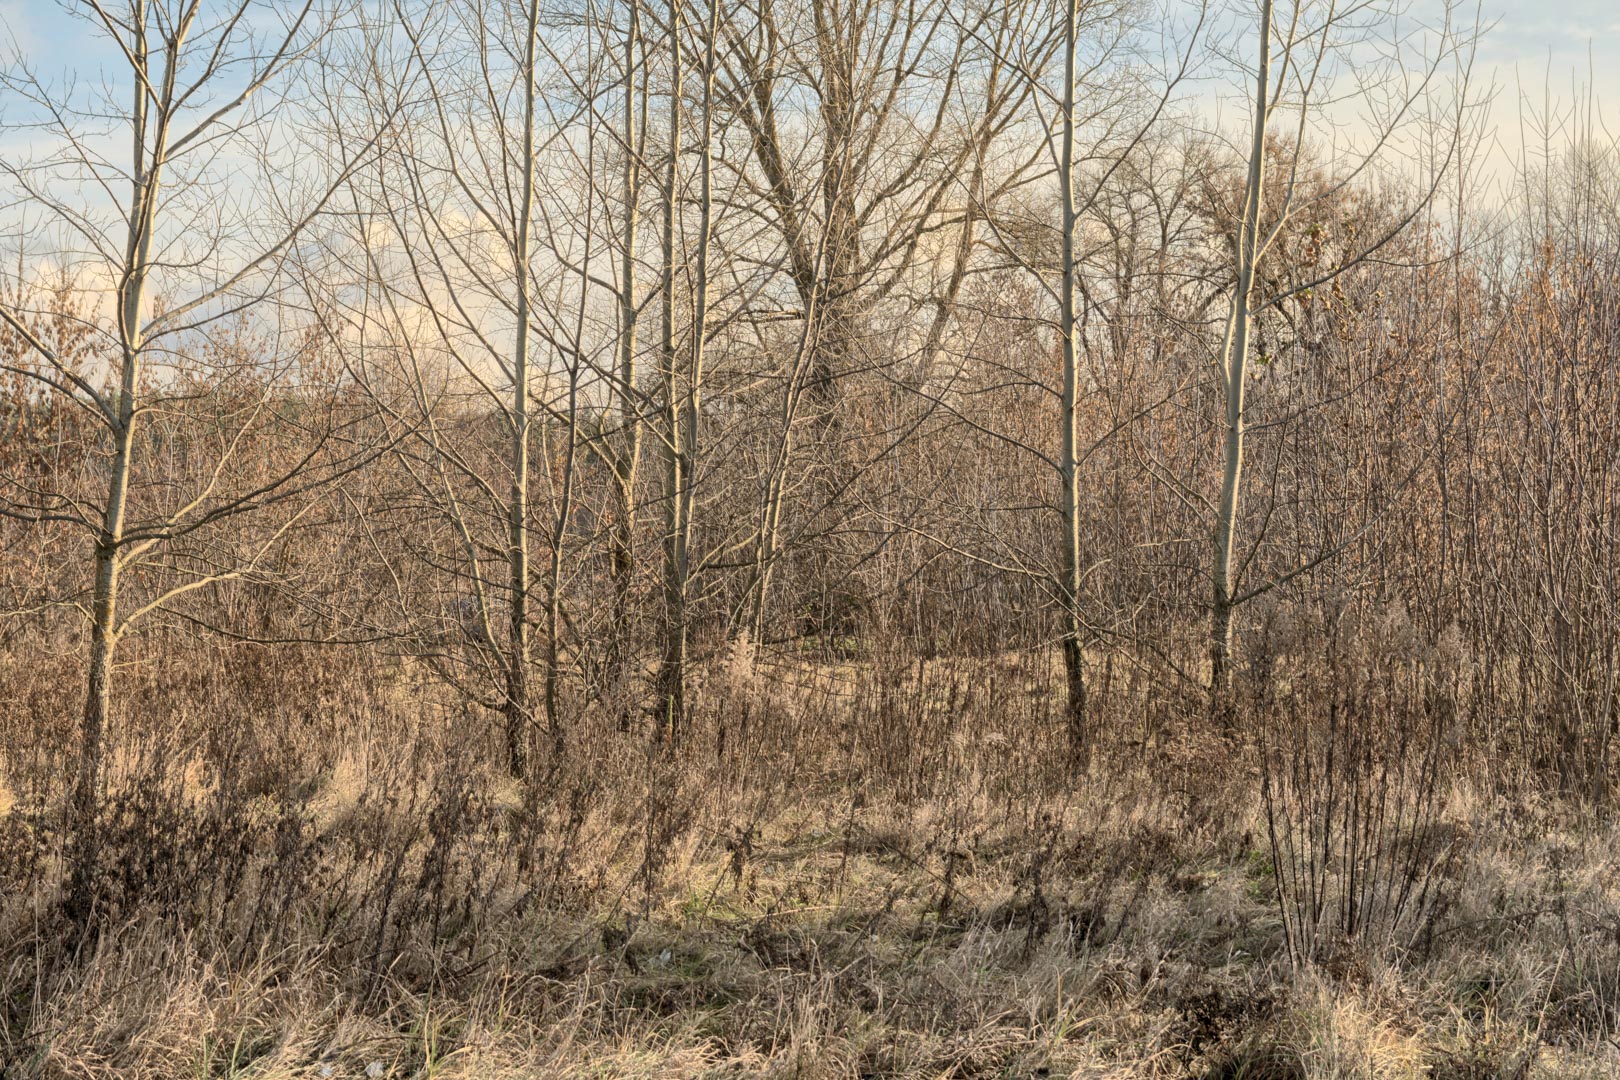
671, 679
628, 456
145, 179
1234, 368
1072, 639
685, 389
517, 706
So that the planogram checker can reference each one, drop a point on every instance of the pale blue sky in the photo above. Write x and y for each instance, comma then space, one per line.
1534, 48
1565, 46
1527, 32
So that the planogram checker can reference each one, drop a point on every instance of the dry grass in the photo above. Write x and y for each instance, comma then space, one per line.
802, 890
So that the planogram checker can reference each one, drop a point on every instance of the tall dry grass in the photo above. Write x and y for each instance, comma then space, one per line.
881, 866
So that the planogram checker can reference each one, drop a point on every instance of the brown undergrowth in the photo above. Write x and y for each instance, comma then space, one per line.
847, 869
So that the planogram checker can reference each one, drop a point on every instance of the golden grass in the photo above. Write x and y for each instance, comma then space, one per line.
402, 907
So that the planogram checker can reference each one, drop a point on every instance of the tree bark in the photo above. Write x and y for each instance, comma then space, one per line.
685, 389
104, 597
517, 705
671, 680
1234, 365
627, 460
1072, 639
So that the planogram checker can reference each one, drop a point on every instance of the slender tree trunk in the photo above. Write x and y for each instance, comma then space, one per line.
104, 609
517, 706
1234, 365
671, 680
559, 542
836, 332
627, 460
685, 409
777, 462
945, 304
1069, 468
764, 559
104, 597
86, 833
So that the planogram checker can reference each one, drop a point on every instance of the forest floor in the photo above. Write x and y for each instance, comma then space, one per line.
727, 913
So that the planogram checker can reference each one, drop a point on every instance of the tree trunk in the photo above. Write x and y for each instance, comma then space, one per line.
1235, 354
517, 706
104, 613
146, 175
85, 824
671, 680
627, 459
516, 711
685, 408
1069, 469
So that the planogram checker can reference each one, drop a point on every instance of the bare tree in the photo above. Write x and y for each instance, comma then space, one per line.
186, 253
872, 130
683, 383
626, 456
1395, 78
1105, 106
468, 262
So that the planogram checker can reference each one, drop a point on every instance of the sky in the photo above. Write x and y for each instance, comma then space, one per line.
1534, 51
1529, 32
1562, 50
